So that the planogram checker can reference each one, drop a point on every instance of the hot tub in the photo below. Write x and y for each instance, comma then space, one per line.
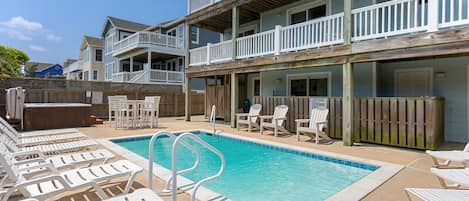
40, 116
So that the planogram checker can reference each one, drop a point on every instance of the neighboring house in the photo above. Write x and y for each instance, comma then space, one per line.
73, 69
43, 70
382, 50
135, 52
91, 59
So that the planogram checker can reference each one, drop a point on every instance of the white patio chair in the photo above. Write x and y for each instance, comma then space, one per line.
51, 186
46, 139
431, 194
457, 177
37, 133
461, 156
249, 119
317, 121
141, 194
150, 110
49, 149
277, 120
64, 161
112, 105
123, 114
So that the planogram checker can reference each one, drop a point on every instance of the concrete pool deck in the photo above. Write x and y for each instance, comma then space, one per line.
415, 171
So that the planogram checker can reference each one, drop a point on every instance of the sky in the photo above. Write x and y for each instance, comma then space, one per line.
52, 30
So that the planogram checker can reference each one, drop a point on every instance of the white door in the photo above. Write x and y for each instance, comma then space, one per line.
413, 82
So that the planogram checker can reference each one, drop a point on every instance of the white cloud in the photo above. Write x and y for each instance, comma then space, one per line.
21, 23
53, 37
37, 48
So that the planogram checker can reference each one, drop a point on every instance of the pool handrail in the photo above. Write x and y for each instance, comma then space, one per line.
151, 155
201, 182
213, 118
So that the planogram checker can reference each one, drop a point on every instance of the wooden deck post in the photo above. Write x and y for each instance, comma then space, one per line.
234, 31
188, 79
347, 21
347, 104
187, 93
233, 102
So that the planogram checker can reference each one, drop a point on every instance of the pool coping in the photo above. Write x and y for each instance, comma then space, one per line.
355, 191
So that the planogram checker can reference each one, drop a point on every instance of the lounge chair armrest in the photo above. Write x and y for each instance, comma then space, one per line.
33, 160
267, 117
242, 114
29, 153
281, 118
302, 120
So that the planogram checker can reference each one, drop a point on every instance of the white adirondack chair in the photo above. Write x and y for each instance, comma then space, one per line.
249, 119
50, 186
317, 122
277, 120
460, 156
432, 194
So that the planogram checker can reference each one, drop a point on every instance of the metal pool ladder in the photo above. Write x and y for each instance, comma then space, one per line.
173, 178
213, 118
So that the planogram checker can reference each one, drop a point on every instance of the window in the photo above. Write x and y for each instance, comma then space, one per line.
95, 74
110, 40
171, 32
305, 13
99, 55
181, 64
315, 84
85, 75
195, 35
256, 87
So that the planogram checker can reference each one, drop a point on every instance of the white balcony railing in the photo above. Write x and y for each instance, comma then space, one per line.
391, 18
315, 33
196, 5
148, 38
453, 13
166, 76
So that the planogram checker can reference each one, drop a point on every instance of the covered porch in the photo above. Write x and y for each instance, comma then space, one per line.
148, 66
413, 103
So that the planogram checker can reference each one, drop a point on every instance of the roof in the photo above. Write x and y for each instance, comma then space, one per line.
38, 66
126, 25
166, 24
93, 41
68, 62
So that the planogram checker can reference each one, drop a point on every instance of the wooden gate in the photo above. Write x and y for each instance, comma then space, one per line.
218, 95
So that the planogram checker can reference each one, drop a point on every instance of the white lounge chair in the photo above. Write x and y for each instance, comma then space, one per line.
458, 177
249, 119
46, 139
277, 120
37, 133
49, 149
64, 161
430, 194
461, 156
317, 122
48, 187
141, 194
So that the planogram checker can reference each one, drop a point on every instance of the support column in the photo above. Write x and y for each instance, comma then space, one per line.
149, 61
347, 104
347, 22
131, 64
233, 97
234, 30
187, 94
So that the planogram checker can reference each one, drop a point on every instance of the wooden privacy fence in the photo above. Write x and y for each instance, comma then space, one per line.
405, 122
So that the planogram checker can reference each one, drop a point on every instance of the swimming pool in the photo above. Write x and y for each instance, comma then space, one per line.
256, 171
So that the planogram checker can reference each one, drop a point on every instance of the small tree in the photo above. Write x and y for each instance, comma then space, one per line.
11, 60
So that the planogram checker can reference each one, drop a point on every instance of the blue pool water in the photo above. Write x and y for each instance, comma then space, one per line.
256, 171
